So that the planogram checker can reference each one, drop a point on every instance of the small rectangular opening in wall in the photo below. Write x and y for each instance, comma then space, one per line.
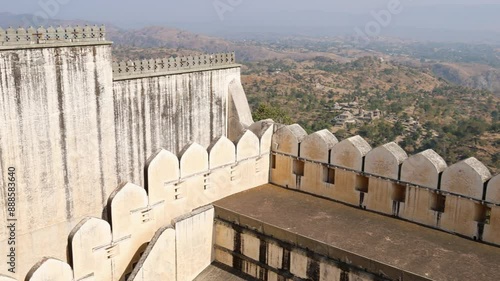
328, 175
482, 213
399, 193
438, 202
362, 183
298, 167
273, 161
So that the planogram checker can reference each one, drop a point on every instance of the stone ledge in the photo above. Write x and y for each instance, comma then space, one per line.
54, 45
181, 71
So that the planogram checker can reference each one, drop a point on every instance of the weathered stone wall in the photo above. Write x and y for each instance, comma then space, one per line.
462, 198
176, 185
168, 112
57, 130
74, 135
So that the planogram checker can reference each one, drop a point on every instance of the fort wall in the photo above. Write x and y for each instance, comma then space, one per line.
74, 131
461, 198
137, 232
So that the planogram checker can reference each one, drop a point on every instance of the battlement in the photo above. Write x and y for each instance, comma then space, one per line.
146, 68
462, 198
44, 36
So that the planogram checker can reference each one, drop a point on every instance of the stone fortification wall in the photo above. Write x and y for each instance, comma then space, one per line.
74, 133
462, 198
136, 237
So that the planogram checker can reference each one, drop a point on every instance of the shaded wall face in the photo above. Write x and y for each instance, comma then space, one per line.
167, 112
56, 129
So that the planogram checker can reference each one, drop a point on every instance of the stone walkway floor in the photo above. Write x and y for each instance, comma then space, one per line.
217, 272
424, 251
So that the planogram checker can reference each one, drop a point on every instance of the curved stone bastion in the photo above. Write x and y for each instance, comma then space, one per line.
117, 168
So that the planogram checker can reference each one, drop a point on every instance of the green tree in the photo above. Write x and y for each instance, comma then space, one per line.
266, 111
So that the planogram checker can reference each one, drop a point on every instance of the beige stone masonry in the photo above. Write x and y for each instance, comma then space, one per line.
492, 227
159, 259
286, 140
194, 243
462, 215
423, 169
193, 160
384, 161
50, 270
92, 250
349, 153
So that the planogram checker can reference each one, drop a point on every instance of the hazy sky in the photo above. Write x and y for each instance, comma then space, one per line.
241, 15
203, 10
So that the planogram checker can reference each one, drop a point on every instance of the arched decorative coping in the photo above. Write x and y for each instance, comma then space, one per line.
317, 146
88, 236
221, 152
423, 169
49, 269
350, 153
122, 202
193, 160
493, 190
286, 139
466, 178
385, 161
160, 168
247, 146
264, 130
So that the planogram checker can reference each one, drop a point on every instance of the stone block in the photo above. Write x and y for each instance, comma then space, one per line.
329, 272
50, 270
493, 190
282, 171
194, 243
298, 264
286, 139
158, 261
224, 236
193, 160
317, 146
462, 215
250, 246
466, 178
350, 153
161, 168
91, 249
423, 169
274, 256
247, 146
385, 161
264, 131
221, 152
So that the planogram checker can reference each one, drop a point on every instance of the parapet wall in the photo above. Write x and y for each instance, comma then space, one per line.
140, 68
40, 36
74, 134
462, 198
110, 249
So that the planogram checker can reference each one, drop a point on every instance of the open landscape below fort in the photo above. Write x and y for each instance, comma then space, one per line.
440, 96
431, 95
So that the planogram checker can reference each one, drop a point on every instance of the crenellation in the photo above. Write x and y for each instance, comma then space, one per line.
420, 188
493, 190
41, 35
50, 269
158, 67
